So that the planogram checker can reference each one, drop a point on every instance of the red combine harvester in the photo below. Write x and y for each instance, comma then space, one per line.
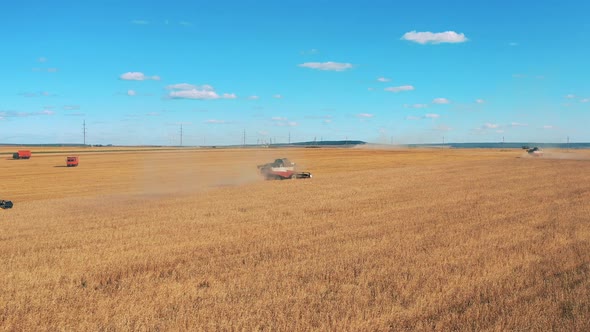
22, 154
281, 169
72, 161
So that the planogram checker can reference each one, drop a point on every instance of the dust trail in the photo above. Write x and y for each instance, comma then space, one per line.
561, 155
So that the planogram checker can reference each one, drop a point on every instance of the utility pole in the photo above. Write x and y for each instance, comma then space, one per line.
181, 134
568, 144
443, 142
84, 131
244, 139
289, 138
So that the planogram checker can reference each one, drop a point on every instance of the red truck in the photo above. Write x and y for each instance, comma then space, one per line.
22, 154
72, 161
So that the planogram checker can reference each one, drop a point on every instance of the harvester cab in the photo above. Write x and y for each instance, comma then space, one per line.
281, 169
535, 152
5, 204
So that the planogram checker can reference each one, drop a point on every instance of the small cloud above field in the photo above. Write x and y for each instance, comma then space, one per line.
14, 114
190, 91
71, 107
518, 124
428, 37
137, 76
412, 117
442, 127
327, 66
416, 106
479, 101
431, 116
365, 115
401, 88
548, 127
215, 121
140, 22
441, 101
383, 79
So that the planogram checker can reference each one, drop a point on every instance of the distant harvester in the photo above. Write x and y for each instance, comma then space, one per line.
72, 161
22, 154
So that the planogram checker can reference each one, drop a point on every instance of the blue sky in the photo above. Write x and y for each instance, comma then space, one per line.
379, 71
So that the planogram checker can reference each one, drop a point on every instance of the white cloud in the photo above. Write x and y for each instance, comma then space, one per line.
434, 38
310, 52
513, 44
49, 70
278, 118
365, 115
263, 133
411, 117
137, 76
214, 121
518, 75
190, 91
441, 101
585, 100
186, 24
517, 124
13, 114
186, 86
75, 114
489, 125
71, 107
42, 59
328, 121
278, 96
416, 106
399, 88
570, 96
131, 93
286, 123
371, 89
253, 97
480, 101
193, 94
383, 79
442, 128
548, 127
333, 66
431, 116
140, 22
500, 131
152, 114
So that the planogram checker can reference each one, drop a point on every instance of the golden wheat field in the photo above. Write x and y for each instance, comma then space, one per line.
377, 240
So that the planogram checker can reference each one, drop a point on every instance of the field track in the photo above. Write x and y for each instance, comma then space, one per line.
400, 239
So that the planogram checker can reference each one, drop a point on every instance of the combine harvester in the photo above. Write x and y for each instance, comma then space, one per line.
535, 152
282, 169
72, 161
22, 154
5, 204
